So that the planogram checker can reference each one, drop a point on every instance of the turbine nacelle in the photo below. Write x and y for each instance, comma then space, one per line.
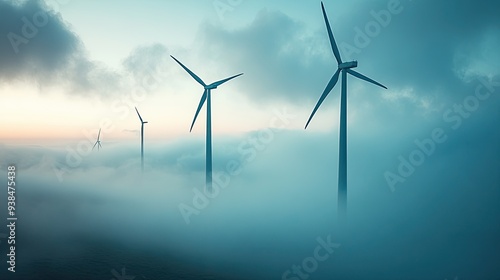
348, 65
211, 87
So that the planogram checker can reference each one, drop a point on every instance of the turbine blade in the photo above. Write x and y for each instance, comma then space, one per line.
99, 134
138, 114
329, 87
330, 35
218, 83
190, 72
202, 101
363, 77
94, 146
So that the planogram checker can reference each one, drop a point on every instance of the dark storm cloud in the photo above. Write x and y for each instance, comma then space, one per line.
279, 59
416, 48
34, 40
40, 47
37, 45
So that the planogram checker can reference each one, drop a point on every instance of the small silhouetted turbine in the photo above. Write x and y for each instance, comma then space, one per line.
142, 139
206, 97
345, 68
98, 142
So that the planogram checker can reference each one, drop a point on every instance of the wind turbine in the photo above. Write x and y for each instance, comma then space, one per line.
206, 97
98, 142
345, 68
142, 139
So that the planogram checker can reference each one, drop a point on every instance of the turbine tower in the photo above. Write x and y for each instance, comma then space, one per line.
206, 97
142, 139
345, 68
98, 142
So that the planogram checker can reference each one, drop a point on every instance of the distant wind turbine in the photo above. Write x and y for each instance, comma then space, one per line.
345, 68
206, 97
98, 142
142, 139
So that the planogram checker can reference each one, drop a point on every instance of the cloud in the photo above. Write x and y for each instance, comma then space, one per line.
475, 60
44, 47
40, 47
284, 60
417, 52
148, 61
279, 57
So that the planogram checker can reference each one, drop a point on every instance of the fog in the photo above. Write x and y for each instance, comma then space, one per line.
441, 222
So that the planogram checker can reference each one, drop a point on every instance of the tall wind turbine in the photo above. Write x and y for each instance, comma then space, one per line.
206, 97
345, 68
98, 142
142, 139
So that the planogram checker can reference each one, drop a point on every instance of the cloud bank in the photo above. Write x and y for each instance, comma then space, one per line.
269, 216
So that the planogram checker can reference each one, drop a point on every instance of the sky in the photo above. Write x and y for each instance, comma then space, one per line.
88, 66
423, 155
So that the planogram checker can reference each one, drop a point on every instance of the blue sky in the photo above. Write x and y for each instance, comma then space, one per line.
423, 156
